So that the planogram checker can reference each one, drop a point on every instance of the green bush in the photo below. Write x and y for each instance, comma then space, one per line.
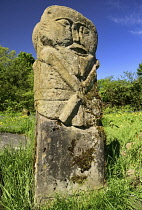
16, 80
122, 92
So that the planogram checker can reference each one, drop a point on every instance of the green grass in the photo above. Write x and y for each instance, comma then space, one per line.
123, 189
16, 122
16, 166
124, 156
17, 179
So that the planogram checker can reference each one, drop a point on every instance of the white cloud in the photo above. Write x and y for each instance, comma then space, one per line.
136, 32
128, 20
128, 14
124, 4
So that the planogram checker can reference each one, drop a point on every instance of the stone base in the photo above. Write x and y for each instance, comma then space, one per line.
68, 159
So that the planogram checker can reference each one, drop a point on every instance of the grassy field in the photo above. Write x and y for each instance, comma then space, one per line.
16, 166
123, 189
16, 123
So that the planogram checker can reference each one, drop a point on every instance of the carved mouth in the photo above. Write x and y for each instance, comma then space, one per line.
78, 49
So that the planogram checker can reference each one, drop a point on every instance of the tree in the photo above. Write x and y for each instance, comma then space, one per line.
139, 70
16, 80
6, 59
23, 79
126, 90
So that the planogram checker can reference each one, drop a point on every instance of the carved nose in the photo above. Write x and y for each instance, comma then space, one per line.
75, 35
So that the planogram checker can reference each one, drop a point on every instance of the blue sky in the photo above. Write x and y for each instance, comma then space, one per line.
118, 22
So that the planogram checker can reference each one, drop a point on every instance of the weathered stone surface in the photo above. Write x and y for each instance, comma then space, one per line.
69, 153
11, 140
67, 158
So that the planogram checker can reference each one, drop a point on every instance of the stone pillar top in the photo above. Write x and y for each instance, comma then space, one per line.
65, 22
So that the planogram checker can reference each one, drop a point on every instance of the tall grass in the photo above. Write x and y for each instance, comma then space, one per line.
17, 179
123, 188
16, 166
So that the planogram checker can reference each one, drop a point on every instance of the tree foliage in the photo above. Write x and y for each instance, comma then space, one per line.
123, 91
139, 70
16, 80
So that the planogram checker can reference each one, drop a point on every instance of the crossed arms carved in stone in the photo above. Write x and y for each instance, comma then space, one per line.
54, 58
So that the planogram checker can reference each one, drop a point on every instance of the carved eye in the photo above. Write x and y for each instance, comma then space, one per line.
63, 22
84, 30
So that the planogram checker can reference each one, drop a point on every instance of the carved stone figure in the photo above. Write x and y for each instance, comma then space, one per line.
66, 100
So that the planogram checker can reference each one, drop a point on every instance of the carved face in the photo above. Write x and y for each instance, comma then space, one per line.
74, 35
62, 26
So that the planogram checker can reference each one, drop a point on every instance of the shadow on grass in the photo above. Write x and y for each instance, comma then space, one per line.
112, 152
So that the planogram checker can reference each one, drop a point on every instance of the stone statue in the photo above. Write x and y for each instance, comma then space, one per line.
66, 100
66, 43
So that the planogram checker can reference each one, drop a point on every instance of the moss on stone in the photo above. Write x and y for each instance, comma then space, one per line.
73, 144
84, 160
78, 179
101, 132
